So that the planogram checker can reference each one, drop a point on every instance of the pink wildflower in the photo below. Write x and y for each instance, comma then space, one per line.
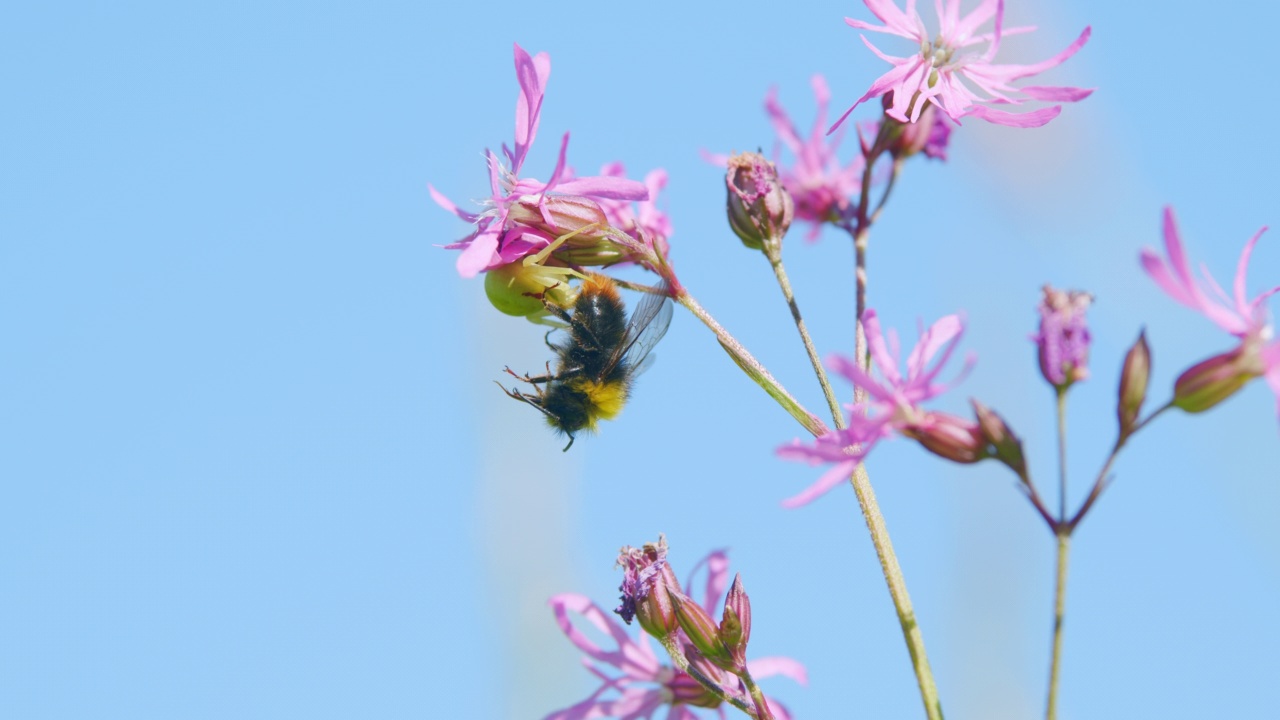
642, 220
497, 240
893, 404
940, 73
1063, 340
635, 683
822, 188
1244, 318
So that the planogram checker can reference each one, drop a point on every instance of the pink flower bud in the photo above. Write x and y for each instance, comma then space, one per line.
1007, 445
1133, 384
949, 437
701, 630
760, 209
1210, 382
589, 241
1063, 340
685, 690
648, 584
735, 624
929, 134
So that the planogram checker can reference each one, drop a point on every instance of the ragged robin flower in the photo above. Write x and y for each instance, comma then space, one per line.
947, 67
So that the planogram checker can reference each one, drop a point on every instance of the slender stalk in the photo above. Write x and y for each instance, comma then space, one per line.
1101, 483
898, 592
774, 253
682, 662
1059, 611
762, 705
1062, 454
752, 367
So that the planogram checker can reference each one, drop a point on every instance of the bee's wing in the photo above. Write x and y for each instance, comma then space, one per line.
646, 327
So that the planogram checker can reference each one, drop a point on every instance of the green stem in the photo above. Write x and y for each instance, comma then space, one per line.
677, 656
774, 254
1062, 454
1059, 611
752, 367
762, 705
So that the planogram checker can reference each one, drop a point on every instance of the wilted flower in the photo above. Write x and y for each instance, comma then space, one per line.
946, 65
1215, 379
758, 205
499, 238
647, 585
823, 188
635, 683
1063, 340
893, 404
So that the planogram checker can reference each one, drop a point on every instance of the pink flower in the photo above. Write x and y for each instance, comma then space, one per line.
941, 72
893, 404
497, 240
635, 683
1063, 340
642, 220
1244, 318
822, 188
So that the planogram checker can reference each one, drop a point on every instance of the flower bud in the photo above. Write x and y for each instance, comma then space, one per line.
1063, 340
760, 209
701, 630
735, 624
1133, 384
949, 437
1210, 382
1007, 445
517, 289
648, 585
579, 224
928, 134
685, 690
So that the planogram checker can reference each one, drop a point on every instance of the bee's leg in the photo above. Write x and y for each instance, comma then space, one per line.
566, 447
547, 339
533, 379
554, 309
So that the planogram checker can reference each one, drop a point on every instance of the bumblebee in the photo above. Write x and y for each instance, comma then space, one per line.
599, 360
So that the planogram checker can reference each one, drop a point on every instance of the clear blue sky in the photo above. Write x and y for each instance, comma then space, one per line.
253, 464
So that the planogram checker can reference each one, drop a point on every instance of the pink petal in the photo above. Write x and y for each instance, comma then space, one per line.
447, 204
1035, 118
1022, 71
781, 122
830, 479
784, 666
964, 29
1242, 305
479, 255
717, 564
612, 188
531, 74
1056, 93
879, 353
948, 329
636, 661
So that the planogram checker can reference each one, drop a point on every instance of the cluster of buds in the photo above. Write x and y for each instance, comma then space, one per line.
759, 207
652, 595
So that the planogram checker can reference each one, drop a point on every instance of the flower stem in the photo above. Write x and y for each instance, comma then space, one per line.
860, 229
1059, 611
774, 253
677, 656
752, 367
762, 705
1062, 454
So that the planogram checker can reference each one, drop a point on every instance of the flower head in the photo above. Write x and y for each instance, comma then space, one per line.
499, 238
759, 207
892, 405
947, 64
635, 683
822, 187
1063, 340
1213, 380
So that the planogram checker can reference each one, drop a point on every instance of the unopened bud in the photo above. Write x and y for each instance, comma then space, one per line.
950, 437
735, 624
929, 134
1063, 340
687, 691
1210, 382
1134, 376
648, 584
578, 227
1007, 445
518, 289
760, 209
701, 630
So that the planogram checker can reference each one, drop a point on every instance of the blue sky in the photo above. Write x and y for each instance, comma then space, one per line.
253, 463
